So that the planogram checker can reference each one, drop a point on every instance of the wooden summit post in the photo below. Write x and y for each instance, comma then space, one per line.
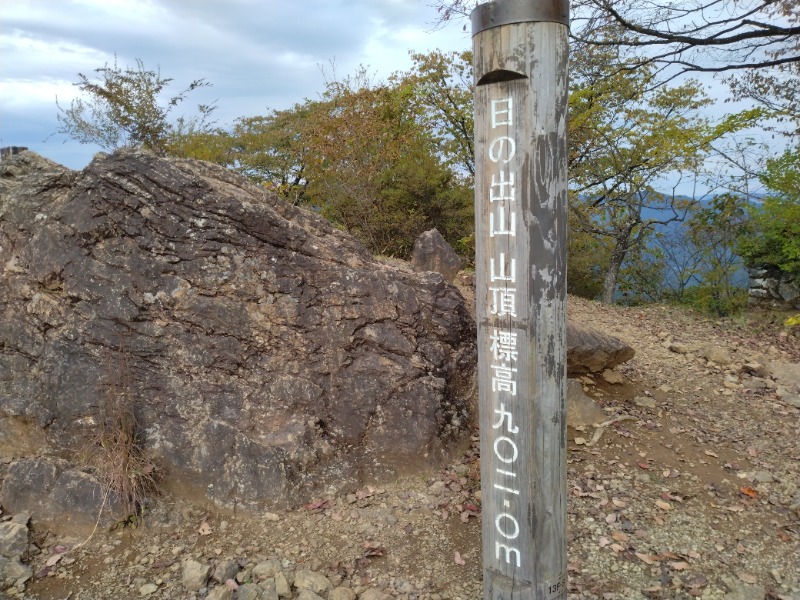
520, 50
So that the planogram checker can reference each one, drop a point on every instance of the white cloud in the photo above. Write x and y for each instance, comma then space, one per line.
258, 54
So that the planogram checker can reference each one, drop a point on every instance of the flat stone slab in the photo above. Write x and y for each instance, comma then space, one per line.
590, 351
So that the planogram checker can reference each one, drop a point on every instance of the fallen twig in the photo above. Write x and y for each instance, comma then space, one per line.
600, 428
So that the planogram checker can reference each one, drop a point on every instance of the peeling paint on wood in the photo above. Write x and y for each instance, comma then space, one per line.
521, 229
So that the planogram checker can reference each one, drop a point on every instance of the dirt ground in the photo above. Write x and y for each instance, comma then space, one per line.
696, 494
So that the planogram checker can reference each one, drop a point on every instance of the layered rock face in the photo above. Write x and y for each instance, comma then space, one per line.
268, 357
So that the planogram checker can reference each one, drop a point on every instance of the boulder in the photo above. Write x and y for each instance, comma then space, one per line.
589, 351
60, 495
432, 253
265, 355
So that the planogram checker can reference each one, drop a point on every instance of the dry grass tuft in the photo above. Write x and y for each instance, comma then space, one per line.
119, 458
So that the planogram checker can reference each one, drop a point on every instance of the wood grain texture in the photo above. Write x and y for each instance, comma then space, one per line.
521, 229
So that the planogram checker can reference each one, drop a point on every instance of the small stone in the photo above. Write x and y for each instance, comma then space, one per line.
272, 517
148, 588
13, 539
644, 402
763, 477
790, 399
226, 569
757, 383
308, 595
316, 582
755, 368
342, 593
268, 585
717, 355
248, 591
581, 409
194, 575
613, 377
13, 572
436, 488
266, 569
742, 591
220, 593
282, 587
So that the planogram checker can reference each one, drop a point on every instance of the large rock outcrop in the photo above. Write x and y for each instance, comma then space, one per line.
269, 358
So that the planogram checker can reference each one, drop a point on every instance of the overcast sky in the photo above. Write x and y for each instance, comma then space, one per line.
258, 54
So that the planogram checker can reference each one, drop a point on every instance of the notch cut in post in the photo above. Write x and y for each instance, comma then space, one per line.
499, 76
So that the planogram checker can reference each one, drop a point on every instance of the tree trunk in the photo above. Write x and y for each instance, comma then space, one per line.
610, 281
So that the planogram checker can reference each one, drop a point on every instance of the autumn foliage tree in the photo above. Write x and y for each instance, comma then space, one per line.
366, 157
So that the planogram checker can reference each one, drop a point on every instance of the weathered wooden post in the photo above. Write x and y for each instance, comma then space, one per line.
520, 56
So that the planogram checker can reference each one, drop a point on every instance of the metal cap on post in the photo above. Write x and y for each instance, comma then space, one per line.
520, 50
507, 12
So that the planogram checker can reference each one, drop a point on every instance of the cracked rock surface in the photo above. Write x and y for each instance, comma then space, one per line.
268, 356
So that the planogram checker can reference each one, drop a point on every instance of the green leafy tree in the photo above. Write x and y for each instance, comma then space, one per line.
587, 261
123, 107
212, 145
274, 149
712, 232
642, 275
625, 136
442, 85
773, 240
362, 141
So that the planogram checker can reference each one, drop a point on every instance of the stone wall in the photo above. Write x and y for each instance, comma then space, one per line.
770, 288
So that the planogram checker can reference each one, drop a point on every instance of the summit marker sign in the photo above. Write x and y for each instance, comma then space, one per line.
520, 51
